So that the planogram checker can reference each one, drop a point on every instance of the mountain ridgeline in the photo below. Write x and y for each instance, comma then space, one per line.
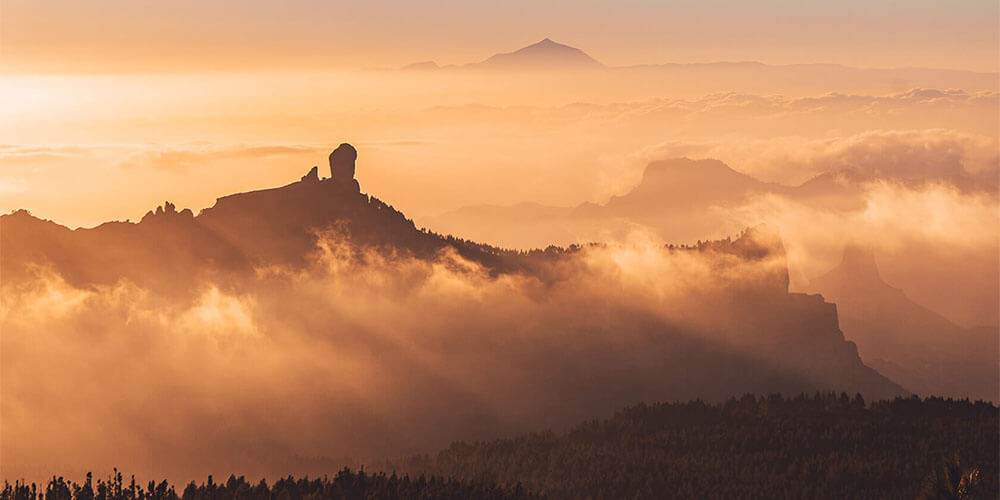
679, 198
910, 343
555, 59
741, 333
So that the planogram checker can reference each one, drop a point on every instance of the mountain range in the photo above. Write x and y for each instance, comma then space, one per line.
684, 199
545, 54
548, 55
745, 334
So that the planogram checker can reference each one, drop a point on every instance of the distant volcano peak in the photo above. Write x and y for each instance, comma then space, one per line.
546, 42
543, 54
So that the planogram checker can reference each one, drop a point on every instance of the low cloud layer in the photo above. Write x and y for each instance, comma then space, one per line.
926, 201
889, 154
362, 354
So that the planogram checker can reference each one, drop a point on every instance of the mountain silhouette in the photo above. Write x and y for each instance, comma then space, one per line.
721, 76
545, 54
775, 341
682, 182
913, 345
682, 199
421, 66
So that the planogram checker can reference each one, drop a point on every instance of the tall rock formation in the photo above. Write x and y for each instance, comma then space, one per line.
738, 330
915, 346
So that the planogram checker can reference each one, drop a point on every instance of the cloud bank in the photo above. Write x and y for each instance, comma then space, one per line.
365, 354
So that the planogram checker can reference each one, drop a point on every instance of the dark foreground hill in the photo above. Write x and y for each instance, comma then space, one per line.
826, 446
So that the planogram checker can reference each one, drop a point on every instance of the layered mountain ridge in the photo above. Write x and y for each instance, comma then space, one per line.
744, 333
550, 55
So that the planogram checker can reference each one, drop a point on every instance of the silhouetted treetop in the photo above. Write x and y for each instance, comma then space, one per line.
345, 485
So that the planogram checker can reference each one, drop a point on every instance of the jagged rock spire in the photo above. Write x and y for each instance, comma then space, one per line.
312, 176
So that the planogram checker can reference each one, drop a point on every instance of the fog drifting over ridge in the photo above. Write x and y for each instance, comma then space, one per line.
366, 354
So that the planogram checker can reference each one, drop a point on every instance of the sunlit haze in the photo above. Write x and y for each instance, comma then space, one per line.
273, 238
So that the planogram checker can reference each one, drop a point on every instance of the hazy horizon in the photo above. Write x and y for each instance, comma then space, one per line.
277, 248
394, 33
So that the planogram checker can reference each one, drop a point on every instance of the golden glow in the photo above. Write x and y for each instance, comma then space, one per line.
108, 108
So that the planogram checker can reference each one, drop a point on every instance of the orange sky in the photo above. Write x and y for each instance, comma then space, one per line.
120, 35
110, 107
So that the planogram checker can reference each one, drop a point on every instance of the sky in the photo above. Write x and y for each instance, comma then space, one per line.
87, 87
190, 35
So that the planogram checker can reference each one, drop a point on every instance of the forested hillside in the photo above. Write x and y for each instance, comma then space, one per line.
816, 447
823, 446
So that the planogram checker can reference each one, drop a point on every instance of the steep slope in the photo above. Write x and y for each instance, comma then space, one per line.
908, 342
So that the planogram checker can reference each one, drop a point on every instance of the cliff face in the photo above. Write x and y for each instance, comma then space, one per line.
917, 347
738, 329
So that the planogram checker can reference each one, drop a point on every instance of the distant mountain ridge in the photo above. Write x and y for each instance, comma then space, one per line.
548, 54
542, 55
682, 198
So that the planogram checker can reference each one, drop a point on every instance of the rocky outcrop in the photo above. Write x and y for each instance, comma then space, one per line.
312, 176
742, 331
342, 168
168, 210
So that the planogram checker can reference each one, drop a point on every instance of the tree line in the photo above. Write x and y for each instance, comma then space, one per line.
346, 485
818, 446
823, 446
